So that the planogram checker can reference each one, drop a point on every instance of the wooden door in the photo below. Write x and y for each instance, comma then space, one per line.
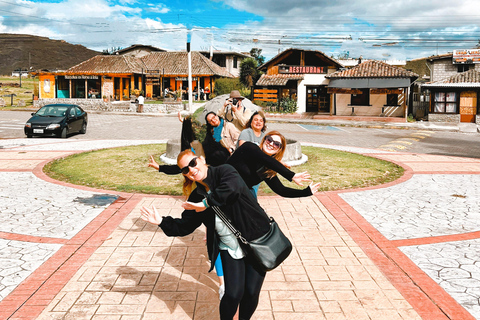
468, 106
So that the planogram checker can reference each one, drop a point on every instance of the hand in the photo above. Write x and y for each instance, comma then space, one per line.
153, 163
197, 206
314, 187
299, 178
179, 115
151, 215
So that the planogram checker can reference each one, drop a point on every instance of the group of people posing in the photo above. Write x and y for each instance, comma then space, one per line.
225, 170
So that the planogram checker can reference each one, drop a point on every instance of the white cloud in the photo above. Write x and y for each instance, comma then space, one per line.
311, 24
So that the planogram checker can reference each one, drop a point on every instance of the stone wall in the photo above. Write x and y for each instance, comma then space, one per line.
444, 68
115, 106
436, 117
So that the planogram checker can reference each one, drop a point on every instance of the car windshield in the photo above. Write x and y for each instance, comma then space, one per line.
52, 111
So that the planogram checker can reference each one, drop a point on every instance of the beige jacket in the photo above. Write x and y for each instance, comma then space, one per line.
240, 117
229, 136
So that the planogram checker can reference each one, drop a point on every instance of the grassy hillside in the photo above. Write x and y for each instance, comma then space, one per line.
25, 51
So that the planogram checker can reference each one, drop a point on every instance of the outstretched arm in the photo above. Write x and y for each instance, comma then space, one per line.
152, 163
299, 178
151, 215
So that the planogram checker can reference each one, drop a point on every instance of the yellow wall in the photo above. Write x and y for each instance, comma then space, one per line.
46, 86
148, 90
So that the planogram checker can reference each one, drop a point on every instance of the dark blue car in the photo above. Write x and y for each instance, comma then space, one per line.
57, 120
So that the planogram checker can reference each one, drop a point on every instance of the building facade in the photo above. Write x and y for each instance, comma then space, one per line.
229, 60
371, 88
455, 99
300, 75
117, 77
454, 87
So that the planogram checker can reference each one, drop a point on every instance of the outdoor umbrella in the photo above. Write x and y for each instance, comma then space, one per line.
216, 103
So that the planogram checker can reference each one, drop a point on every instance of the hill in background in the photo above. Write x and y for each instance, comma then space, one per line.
25, 51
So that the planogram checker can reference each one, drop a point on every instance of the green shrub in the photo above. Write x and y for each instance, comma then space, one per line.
226, 85
287, 105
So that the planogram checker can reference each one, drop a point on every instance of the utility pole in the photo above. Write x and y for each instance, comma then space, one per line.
189, 57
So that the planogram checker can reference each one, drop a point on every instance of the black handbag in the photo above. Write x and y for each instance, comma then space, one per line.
270, 250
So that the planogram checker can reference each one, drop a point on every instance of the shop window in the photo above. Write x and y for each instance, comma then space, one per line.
94, 89
445, 102
78, 89
362, 99
464, 67
392, 99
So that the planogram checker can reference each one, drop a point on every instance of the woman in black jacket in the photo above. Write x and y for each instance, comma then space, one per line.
221, 186
256, 164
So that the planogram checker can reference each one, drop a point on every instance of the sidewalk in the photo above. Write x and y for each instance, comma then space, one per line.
405, 250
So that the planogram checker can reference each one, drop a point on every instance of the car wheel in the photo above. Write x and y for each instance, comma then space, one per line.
84, 128
29, 135
63, 135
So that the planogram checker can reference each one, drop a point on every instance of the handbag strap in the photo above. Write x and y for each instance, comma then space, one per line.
229, 225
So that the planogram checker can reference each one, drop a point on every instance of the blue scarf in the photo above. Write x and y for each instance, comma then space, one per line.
217, 131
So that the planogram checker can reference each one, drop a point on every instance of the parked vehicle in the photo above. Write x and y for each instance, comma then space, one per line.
57, 120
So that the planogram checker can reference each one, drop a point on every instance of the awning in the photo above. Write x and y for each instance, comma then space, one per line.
365, 83
277, 79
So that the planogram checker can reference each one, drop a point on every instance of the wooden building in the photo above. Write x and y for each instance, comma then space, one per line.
300, 75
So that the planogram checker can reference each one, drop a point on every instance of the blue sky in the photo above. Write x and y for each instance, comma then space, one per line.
373, 29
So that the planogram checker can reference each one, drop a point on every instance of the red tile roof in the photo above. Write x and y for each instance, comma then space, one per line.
373, 69
277, 79
168, 63
176, 63
108, 64
470, 78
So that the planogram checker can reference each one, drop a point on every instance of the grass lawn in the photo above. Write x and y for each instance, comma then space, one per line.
124, 169
25, 93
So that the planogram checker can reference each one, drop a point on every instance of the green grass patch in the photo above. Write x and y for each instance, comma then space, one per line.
125, 169
338, 170
25, 92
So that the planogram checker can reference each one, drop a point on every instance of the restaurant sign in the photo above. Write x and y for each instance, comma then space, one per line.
81, 77
468, 56
301, 69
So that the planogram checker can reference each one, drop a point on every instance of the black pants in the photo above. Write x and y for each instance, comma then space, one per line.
243, 283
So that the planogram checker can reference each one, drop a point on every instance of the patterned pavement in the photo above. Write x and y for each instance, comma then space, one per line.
404, 250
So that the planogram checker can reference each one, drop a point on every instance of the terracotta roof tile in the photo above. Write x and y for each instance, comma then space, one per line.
170, 63
108, 64
277, 79
373, 69
470, 78
176, 63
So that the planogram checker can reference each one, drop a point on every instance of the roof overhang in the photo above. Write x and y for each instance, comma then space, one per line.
451, 85
365, 83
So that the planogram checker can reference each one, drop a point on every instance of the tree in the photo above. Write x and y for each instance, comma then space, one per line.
257, 54
248, 72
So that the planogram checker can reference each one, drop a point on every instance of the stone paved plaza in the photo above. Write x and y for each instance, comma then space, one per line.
405, 250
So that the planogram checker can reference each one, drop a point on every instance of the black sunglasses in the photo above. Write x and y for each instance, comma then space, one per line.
276, 144
191, 164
